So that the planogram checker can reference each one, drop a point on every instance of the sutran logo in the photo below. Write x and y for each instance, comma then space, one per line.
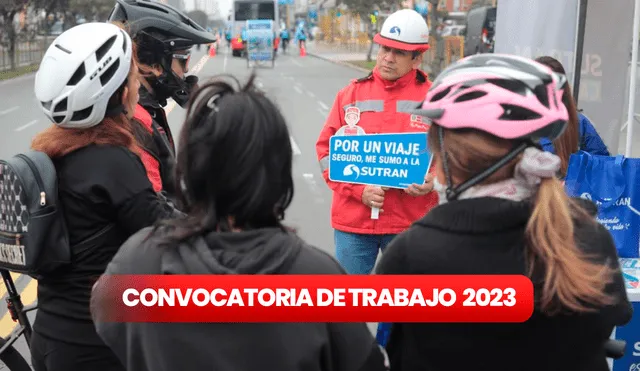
395, 30
350, 170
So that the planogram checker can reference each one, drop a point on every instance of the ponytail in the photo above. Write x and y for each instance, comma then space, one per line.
571, 279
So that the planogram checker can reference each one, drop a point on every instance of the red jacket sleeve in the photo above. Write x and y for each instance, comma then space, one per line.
334, 121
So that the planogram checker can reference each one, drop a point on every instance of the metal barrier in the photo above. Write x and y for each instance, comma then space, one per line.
27, 53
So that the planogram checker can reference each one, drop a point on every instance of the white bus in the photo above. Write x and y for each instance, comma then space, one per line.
244, 10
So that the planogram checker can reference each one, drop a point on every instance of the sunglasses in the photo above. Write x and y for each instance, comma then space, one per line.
183, 59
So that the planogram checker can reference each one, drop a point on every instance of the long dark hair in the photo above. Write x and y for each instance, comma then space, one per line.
234, 161
569, 142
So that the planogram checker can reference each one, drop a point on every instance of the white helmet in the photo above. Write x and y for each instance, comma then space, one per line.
80, 71
405, 29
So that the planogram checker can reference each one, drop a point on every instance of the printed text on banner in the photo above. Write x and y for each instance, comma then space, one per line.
385, 160
309, 298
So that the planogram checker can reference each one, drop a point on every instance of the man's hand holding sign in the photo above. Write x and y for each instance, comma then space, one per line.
373, 196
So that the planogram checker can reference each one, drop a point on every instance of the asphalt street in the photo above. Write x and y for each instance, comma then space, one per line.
303, 87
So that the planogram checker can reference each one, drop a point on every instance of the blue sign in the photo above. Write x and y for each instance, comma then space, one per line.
259, 37
285, 2
631, 331
386, 160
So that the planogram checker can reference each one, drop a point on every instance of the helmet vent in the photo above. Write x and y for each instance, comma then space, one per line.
62, 106
513, 86
517, 113
124, 41
82, 114
102, 51
441, 95
46, 105
471, 96
541, 93
151, 6
108, 74
63, 49
77, 76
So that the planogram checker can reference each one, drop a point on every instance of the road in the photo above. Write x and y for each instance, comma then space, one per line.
303, 87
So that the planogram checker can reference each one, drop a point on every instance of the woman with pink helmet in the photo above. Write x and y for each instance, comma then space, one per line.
503, 211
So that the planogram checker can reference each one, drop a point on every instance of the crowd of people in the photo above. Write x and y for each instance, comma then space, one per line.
501, 129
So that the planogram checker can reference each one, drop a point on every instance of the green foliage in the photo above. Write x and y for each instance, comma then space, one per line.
99, 9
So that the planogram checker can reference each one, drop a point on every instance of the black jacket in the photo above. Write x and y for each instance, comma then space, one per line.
239, 346
105, 197
160, 143
486, 236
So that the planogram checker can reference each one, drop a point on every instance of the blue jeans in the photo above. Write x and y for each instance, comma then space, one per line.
357, 253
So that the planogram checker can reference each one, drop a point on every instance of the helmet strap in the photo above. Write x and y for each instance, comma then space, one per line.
170, 85
115, 111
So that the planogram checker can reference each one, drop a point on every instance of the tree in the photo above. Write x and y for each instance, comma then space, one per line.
364, 8
90, 9
436, 16
10, 8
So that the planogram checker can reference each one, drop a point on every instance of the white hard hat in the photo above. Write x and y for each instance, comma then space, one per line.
405, 29
80, 71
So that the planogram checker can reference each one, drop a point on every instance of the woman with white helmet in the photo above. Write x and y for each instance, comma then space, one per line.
87, 85
503, 211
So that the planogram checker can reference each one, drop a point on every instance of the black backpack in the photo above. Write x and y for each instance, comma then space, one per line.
33, 232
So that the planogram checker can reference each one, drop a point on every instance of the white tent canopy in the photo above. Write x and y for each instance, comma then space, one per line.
602, 32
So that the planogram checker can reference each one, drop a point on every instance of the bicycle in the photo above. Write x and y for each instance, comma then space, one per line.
12, 359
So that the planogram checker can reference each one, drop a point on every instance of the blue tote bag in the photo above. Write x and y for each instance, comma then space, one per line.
613, 183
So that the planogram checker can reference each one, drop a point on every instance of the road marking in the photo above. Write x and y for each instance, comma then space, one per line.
296, 62
310, 94
3, 288
9, 110
294, 146
27, 125
297, 89
323, 106
323, 112
196, 69
313, 186
28, 296
170, 106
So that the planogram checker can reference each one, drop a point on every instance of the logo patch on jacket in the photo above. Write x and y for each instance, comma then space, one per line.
418, 123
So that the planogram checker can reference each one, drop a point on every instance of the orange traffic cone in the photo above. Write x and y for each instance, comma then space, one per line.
303, 51
212, 51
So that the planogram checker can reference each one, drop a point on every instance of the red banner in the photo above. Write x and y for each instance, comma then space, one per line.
307, 298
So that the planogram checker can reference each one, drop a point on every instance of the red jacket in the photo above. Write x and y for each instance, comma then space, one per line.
151, 164
384, 108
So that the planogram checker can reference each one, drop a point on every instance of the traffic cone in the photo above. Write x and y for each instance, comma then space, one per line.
303, 51
212, 51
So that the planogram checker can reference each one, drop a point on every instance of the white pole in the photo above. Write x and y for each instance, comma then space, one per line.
634, 79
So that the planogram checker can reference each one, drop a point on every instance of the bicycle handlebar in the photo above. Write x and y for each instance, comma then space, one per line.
615, 348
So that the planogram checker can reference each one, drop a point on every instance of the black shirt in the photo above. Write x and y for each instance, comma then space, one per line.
233, 346
106, 197
487, 236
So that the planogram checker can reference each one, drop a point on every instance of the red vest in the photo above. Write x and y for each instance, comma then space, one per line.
384, 108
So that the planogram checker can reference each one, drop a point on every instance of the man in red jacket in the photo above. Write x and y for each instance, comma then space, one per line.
379, 104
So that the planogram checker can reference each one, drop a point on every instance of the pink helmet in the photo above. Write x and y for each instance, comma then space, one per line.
504, 95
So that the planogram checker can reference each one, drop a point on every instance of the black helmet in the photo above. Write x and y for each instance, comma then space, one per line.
171, 26
160, 30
